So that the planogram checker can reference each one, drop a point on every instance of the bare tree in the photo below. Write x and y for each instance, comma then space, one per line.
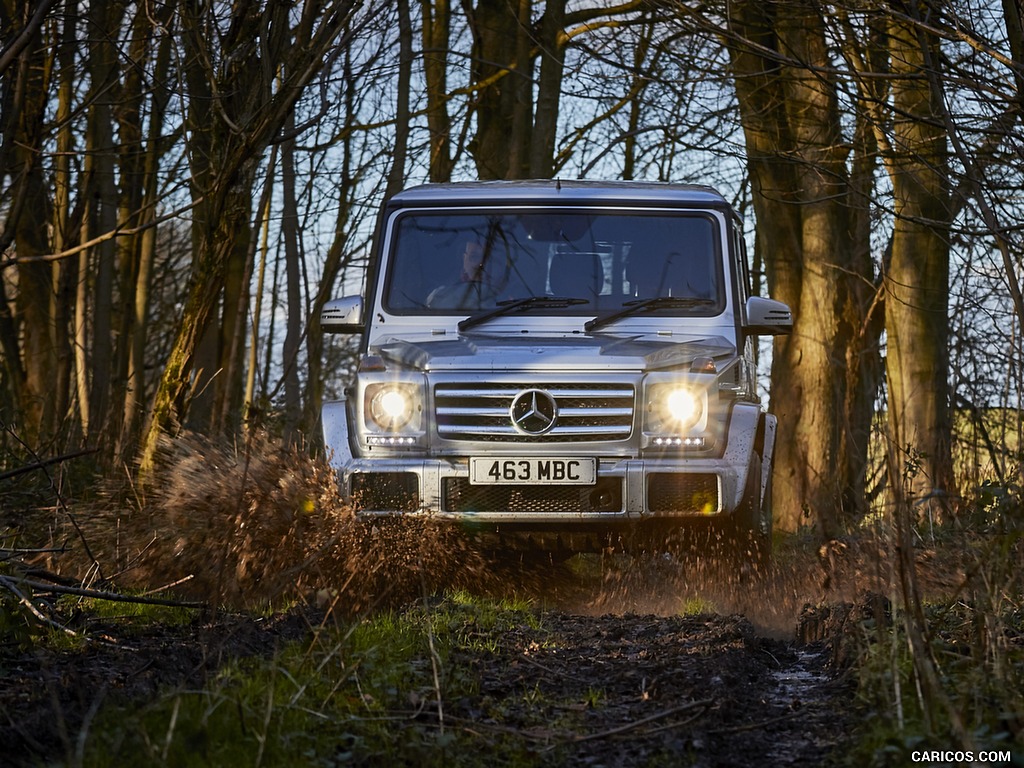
917, 279
232, 63
797, 161
26, 329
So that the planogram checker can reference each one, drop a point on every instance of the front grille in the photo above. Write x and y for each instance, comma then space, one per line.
461, 496
682, 493
586, 412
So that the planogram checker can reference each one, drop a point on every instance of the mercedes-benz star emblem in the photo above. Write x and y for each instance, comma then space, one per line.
533, 411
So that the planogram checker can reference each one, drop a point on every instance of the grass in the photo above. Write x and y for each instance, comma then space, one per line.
127, 614
898, 717
950, 674
695, 606
343, 696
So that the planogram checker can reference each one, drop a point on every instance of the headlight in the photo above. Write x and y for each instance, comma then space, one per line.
682, 412
391, 406
678, 407
683, 406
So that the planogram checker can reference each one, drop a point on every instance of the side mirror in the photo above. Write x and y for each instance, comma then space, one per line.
768, 317
344, 315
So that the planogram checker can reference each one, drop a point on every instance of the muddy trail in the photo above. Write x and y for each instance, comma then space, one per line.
697, 690
632, 661
615, 690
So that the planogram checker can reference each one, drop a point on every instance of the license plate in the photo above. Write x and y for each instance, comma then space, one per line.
533, 471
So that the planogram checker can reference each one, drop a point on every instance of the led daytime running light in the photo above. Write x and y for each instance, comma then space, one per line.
674, 441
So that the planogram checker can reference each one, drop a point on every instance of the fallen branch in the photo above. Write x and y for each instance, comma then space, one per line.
12, 587
32, 572
101, 595
43, 463
641, 722
755, 726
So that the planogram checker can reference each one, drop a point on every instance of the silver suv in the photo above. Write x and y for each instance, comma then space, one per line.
559, 362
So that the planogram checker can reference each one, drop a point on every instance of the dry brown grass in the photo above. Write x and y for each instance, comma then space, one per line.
262, 524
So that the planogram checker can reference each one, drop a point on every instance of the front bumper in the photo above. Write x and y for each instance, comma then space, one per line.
627, 489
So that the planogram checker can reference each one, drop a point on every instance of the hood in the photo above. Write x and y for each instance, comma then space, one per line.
595, 353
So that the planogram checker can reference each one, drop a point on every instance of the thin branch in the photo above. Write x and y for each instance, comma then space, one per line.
12, 587
46, 463
13, 50
97, 594
700, 704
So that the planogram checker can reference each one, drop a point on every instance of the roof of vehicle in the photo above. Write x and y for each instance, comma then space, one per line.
559, 192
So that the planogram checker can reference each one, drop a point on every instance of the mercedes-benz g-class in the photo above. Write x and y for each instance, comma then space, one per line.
561, 361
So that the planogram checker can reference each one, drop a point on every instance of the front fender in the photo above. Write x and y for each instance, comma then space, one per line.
771, 426
334, 418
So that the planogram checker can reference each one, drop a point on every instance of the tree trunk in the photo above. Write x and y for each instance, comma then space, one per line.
436, 31
403, 88
549, 89
917, 281
135, 380
773, 176
865, 313
636, 103
104, 95
252, 412
339, 253
63, 237
28, 219
293, 296
502, 70
236, 110
820, 329
230, 348
797, 165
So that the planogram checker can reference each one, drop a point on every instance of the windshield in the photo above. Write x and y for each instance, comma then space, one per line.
459, 263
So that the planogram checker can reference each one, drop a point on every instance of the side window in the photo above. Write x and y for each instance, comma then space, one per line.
739, 244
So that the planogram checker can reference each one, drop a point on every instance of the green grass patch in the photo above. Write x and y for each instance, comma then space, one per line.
370, 692
696, 606
127, 613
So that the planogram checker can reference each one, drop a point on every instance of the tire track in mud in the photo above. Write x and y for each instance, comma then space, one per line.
692, 663
632, 689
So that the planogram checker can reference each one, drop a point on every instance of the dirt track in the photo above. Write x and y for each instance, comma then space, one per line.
705, 688
644, 683
702, 690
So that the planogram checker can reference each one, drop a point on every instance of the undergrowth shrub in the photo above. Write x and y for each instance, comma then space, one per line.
948, 673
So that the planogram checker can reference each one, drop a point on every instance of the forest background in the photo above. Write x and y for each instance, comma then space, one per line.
183, 184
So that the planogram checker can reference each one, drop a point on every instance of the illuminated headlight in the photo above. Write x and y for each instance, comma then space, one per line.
677, 407
391, 406
683, 407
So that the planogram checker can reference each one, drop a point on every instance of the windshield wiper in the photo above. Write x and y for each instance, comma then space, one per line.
512, 306
639, 306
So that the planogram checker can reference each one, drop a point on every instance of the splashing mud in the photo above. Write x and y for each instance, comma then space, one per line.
263, 524
776, 598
